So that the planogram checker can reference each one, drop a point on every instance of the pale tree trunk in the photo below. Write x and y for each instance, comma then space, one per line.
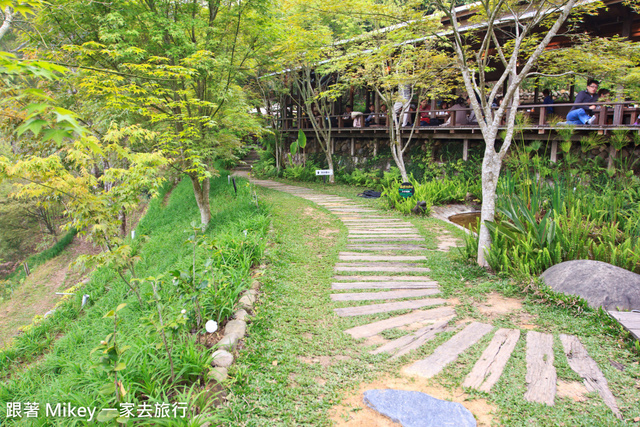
201, 191
489, 120
398, 157
491, 164
6, 23
613, 153
122, 217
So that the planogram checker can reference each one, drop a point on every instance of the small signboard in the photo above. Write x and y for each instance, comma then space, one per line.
406, 190
324, 172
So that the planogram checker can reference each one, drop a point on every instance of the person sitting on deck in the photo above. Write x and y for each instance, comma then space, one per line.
580, 115
459, 112
424, 113
371, 118
548, 100
347, 121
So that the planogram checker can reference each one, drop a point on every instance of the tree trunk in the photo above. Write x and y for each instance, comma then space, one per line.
490, 172
612, 157
201, 191
122, 216
396, 152
332, 177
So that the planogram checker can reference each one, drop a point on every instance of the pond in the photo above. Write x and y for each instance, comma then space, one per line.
467, 220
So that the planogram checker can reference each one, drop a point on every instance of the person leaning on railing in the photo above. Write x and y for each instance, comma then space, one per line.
579, 115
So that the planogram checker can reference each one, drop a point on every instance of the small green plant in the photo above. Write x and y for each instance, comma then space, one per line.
111, 362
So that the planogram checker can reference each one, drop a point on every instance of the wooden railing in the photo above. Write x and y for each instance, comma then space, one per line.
609, 115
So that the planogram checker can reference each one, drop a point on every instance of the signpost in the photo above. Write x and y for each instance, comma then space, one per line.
324, 173
406, 190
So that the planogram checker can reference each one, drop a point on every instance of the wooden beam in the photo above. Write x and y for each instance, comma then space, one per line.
465, 150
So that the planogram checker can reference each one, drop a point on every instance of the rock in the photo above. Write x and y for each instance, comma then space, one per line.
419, 208
222, 358
241, 315
247, 300
415, 409
601, 284
237, 327
228, 342
218, 374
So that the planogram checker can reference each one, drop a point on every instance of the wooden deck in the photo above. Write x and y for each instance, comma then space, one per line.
630, 320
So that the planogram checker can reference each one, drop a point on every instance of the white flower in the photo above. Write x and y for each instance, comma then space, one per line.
211, 326
183, 311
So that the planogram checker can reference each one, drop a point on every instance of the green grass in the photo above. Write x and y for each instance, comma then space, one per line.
276, 380
52, 362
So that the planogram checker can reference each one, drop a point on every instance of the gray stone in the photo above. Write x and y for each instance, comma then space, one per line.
222, 358
247, 301
241, 315
218, 374
237, 327
601, 284
416, 409
228, 341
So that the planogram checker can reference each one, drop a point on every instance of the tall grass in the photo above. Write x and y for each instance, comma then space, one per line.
69, 372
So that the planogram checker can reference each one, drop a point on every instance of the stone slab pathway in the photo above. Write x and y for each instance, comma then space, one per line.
377, 266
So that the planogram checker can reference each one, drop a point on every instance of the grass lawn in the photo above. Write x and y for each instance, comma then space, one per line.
298, 367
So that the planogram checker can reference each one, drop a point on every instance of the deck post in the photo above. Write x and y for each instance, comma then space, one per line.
353, 147
375, 147
465, 150
554, 151
377, 108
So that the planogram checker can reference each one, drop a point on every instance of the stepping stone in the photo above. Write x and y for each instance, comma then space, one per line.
487, 371
377, 278
386, 239
371, 329
403, 345
377, 268
629, 320
594, 380
416, 409
541, 374
376, 221
370, 247
366, 296
384, 285
449, 351
387, 307
363, 257
366, 232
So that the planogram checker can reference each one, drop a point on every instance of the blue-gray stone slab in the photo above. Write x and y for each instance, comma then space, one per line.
416, 409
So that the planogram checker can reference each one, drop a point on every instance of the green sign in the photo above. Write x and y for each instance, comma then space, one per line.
406, 190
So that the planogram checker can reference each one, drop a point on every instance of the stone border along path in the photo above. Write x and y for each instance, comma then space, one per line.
404, 277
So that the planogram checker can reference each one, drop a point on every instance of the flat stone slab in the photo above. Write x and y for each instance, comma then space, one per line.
594, 380
601, 284
403, 345
369, 296
364, 257
416, 409
384, 285
375, 248
629, 320
487, 371
387, 307
360, 278
385, 269
369, 231
541, 374
449, 351
371, 329
386, 239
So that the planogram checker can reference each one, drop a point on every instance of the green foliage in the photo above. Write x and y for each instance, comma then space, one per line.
435, 192
65, 373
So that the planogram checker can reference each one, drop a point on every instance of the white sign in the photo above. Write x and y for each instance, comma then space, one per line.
324, 172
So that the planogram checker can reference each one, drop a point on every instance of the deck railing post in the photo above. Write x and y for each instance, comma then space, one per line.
465, 150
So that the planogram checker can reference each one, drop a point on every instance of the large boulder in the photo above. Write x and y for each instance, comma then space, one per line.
601, 284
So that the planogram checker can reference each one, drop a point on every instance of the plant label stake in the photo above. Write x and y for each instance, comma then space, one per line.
324, 173
234, 185
406, 190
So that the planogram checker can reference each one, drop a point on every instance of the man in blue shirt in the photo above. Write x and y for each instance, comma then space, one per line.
583, 114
